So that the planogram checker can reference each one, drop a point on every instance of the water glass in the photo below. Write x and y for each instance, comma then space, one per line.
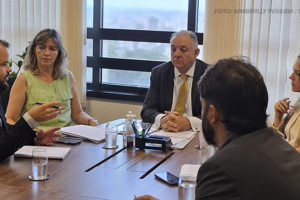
186, 189
39, 164
202, 141
111, 135
206, 150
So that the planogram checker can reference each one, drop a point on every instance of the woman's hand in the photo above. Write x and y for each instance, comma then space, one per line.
281, 107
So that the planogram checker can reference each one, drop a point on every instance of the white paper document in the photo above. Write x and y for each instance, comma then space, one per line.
179, 139
189, 171
52, 152
93, 133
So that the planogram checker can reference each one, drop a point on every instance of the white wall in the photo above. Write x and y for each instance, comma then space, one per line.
106, 110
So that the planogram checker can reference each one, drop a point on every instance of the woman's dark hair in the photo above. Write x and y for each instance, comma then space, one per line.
236, 88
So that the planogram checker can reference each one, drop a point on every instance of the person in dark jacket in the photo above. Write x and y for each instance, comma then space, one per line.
172, 101
253, 161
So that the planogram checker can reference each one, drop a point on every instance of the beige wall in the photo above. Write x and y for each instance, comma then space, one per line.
107, 110
221, 32
72, 31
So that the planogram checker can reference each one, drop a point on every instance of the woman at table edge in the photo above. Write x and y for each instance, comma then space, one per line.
289, 126
47, 78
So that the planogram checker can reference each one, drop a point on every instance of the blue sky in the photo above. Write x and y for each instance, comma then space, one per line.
152, 4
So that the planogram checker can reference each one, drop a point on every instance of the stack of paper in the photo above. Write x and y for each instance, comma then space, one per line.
179, 139
93, 133
52, 152
189, 171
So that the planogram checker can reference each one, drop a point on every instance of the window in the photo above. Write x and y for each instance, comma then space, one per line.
127, 38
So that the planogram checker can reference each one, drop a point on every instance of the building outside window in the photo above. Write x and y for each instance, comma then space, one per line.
127, 38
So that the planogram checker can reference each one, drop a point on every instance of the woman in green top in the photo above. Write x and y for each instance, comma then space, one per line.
46, 79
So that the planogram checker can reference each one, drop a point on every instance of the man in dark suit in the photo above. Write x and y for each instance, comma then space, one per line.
161, 106
253, 161
14, 137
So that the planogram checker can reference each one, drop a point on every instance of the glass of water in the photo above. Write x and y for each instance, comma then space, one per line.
111, 134
186, 188
206, 150
39, 164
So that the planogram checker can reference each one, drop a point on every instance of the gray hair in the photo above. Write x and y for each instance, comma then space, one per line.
61, 63
4, 43
192, 35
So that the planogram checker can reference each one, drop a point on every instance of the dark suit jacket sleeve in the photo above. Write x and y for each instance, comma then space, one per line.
214, 183
14, 138
151, 104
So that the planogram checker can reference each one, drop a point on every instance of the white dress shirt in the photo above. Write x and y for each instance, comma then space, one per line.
188, 111
30, 121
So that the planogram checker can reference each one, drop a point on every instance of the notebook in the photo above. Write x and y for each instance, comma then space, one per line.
93, 133
179, 139
52, 152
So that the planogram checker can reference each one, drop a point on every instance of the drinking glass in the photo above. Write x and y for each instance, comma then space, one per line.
111, 134
186, 189
206, 150
39, 164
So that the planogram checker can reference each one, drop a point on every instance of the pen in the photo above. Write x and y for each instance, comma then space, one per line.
38, 103
135, 130
148, 127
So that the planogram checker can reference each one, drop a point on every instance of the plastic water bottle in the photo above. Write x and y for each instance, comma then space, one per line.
126, 132
186, 188
127, 129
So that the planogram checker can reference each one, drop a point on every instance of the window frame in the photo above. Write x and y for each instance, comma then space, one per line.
97, 62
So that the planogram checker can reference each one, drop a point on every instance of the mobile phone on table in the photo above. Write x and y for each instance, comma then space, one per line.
167, 177
69, 140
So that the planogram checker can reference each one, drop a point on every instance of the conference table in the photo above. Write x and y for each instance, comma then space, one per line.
92, 172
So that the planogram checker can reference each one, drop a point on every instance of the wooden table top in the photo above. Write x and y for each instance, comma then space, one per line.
117, 178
